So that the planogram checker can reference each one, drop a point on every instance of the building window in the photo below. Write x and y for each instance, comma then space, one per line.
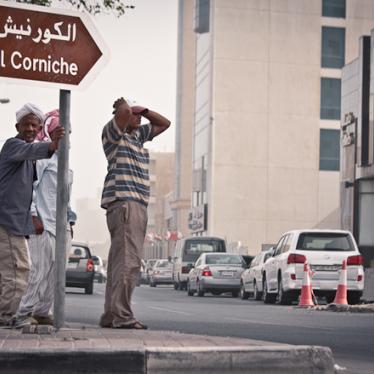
202, 15
333, 8
330, 98
329, 150
333, 47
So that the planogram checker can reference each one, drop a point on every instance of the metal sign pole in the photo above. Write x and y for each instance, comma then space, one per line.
61, 211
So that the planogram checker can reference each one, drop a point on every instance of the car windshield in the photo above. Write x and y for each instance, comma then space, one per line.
194, 248
150, 263
78, 252
223, 260
325, 242
163, 264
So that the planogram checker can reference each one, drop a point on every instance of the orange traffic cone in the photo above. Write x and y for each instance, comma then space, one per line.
306, 289
341, 292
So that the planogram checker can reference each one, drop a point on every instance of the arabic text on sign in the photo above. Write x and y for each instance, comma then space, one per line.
44, 36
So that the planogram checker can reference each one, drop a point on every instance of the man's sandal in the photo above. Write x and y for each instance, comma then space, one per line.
135, 326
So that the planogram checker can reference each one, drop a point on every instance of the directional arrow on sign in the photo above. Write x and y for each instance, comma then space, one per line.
48, 45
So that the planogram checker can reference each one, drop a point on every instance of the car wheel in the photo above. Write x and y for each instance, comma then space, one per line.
200, 291
189, 291
329, 298
353, 298
216, 293
235, 293
283, 297
256, 293
268, 298
176, 286
244, 295
100, 280
89, 289
152, 284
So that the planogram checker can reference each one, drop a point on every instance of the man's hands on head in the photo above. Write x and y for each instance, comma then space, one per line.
38, 225
122, 113
56, 136
139, 110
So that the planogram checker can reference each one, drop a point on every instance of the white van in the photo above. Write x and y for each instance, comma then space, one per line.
187, 251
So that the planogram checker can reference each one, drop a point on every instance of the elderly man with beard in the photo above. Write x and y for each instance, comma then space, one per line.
17, 174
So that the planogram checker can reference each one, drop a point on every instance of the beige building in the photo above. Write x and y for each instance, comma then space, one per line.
161, 174
266, 113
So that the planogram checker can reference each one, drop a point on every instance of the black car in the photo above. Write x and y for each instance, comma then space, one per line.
80, 268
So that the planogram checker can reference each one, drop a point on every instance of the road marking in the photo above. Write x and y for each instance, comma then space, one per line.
275, 323
169, 310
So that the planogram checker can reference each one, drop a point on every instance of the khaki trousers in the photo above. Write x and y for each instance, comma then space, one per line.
127, 223
14, 271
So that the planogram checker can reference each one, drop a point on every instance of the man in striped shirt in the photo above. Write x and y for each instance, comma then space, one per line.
125, 198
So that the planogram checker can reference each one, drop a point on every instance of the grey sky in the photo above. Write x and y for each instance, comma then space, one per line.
142, 66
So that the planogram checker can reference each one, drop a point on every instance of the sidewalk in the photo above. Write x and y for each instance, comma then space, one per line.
79, 349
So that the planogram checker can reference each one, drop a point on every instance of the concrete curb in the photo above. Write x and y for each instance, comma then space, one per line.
217, 360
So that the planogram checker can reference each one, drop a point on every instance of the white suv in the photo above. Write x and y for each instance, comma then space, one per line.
325, 251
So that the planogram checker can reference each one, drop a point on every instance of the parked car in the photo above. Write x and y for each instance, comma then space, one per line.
187, 251
325, 251
216, 273
149, 267
251, 279
248, 259
162, 273
80, 269
143, 274
100, 272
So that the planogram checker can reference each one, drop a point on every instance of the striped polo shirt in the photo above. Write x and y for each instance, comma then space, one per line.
128, 164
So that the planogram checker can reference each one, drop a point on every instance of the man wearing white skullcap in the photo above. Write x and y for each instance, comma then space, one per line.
29, 109
17, 173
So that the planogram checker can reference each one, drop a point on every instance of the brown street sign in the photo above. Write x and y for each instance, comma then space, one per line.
48, 45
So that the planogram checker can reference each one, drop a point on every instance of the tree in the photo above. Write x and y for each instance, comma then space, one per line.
117, 7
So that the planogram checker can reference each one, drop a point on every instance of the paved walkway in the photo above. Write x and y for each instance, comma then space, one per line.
89, 349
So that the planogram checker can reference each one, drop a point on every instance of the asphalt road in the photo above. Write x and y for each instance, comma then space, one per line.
349, 335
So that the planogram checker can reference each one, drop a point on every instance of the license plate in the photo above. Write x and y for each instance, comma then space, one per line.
72, 265
325, 267
227, 273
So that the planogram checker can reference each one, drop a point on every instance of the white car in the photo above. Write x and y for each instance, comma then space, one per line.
251, 279
325, 251
162, 273
216, 273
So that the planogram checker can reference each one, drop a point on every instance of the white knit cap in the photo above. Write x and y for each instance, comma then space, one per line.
131, 102
29, 109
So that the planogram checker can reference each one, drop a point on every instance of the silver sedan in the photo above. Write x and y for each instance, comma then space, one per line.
162, 273
216, 273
